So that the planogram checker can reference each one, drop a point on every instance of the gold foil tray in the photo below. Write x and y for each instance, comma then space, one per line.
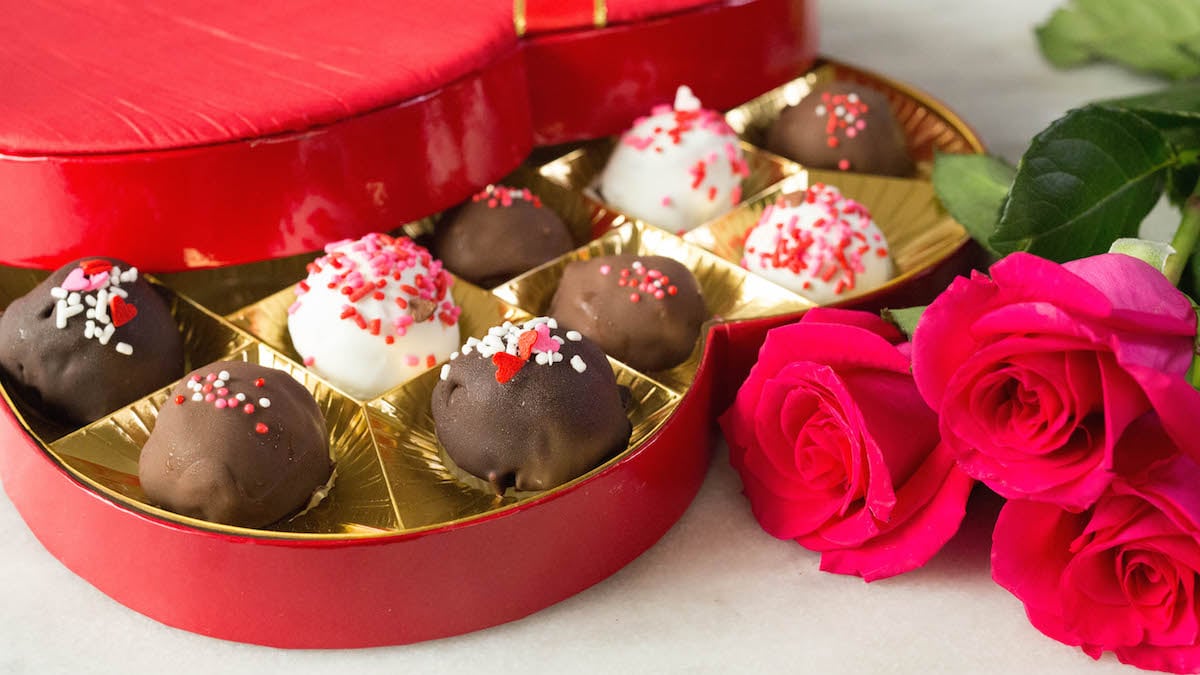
927, 124
580, 169
430, 491
266, 319
730, 293
918, 230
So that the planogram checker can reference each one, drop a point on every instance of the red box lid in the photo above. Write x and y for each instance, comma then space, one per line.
214, 133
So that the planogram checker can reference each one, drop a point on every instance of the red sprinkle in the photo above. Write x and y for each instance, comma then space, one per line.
260, 428
259, 382
179, 399
248, 408
634, 297
507, 366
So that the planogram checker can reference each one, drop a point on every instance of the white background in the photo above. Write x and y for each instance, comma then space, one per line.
716, 594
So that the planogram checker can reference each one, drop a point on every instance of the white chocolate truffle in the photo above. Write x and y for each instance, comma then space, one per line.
373, 313
678, 168
824, 246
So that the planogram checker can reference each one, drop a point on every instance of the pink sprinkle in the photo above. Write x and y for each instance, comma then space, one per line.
634, 297
605, 269
659, 294
544, 342
851, 132
309, 361
220, 403
666, 201
195, 378
222, 392
248, 408
231, 402
294, 307
209, 398
210, 377
844, 164
412, 360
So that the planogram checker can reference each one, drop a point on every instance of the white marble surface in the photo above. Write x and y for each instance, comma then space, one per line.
716, 595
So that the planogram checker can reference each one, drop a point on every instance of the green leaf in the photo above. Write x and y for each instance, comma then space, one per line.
1176, 112
1088, 179
1159, 36
1182, 180
905, 319
973, 189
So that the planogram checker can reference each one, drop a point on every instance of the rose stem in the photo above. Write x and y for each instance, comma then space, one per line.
1184, 241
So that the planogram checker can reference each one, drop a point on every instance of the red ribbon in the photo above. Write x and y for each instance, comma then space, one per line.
540, 16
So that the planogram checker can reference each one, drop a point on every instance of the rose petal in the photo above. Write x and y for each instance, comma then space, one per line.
868, 321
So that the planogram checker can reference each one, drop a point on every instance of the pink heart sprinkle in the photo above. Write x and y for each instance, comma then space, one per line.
76, 281
544, 343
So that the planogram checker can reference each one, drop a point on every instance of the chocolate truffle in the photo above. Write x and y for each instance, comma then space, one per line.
531, 406
373, 313
820, 244
842, 126
643, 310
499, 234
89, 339
678, 168
236, 443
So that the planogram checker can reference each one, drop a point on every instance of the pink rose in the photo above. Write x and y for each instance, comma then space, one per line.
1037, 371
837, 450
1122, 575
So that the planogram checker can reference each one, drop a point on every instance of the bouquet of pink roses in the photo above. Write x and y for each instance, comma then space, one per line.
1060, 380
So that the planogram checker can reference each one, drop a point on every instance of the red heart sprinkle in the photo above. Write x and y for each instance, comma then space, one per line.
525, 344
121, 312
507, 366
95, 266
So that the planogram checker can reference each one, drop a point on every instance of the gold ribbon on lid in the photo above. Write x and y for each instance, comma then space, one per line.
521, 18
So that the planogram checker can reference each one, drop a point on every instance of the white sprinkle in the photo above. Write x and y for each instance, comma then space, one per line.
850, 117
223, 375
90, 300
574, 335
130, 275
197, 396
820, 110
578, 364
496, 331
91, 314
60, 314
106, 334
114, 275
89, 330
558, 340
637, 264
466, 349
552, 322
116, 290
542, 358
264, 403
58, 293
102, 306
853, 98
453, 355
240, 397
445, 371
839, 111
124, 348
217, 384
73, 299
555, 357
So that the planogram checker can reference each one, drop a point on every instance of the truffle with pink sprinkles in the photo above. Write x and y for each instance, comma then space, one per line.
373, 313
822, 245
678, 168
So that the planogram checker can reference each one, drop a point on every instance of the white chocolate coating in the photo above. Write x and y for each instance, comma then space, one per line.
397, 321
678, 168
826, 247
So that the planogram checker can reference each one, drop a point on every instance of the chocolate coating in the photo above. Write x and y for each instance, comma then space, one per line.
545, 426
863, 138
498, 235
650, 334
227, 465
74, 378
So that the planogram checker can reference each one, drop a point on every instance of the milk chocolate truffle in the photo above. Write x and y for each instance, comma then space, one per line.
499, 234
643, 310
842, 126
531, 406
89, 339
236, 443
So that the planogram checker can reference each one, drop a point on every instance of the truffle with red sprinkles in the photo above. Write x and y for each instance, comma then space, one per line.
845, 127
820, 244
530, 406
643, 310
89, 339
237, 443
678, 168
373, 313
498, 234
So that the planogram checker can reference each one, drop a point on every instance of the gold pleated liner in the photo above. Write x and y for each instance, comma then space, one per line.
206, 338
267, 319
106, 453
928, 125
430, 491
919, 231
730, 293
579, 171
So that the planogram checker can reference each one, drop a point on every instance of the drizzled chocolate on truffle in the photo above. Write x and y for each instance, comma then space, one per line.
531, 406
236, 443
842, 126
89, 339
499, 234
643, 310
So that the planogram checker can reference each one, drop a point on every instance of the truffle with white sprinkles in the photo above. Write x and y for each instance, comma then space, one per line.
90, 338
529, 406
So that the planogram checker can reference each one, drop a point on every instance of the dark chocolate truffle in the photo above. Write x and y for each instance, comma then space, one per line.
236, 443
842, 126
531, 406
89, 339
643, 310
499, 234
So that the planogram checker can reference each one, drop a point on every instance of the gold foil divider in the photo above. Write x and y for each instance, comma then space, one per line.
918, 230
430, 491
729, 292
105, 456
